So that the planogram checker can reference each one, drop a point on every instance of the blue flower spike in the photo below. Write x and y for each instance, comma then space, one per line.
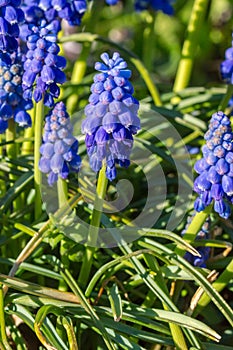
10, 17
43, 66
59, 149
12, 102
111, 116
69, 10
215, 169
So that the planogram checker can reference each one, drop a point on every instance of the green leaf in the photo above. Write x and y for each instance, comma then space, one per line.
68, 325
35, 289
166, 253
20, 185
115, 302
33, 268
210, 346
165, 234
175, 273
53, 341
108, 266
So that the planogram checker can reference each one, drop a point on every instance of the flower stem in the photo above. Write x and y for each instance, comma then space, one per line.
226, 98
189, 50
78, 73
62, 189
148, 40
194, 227
27, 146
62, 200
10, 137
94, 228
37, 174
11, 150
176, 331
148, 81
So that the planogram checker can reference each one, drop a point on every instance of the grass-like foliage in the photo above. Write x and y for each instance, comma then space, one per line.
116, 175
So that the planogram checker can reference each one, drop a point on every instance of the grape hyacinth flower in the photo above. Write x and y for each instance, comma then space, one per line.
226, 67
10, 18
12, 103
157, 5
43, 67
111, 116
60, 147
215, 169
71, 11
199, 261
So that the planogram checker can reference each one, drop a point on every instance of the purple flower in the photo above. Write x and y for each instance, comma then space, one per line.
59, 149
71, 11
215, 180
12, 103
202, 250
10, 18
43, 67
111, 116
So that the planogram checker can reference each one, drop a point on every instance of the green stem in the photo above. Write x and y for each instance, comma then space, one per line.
218, 285
226, 98
194, 227
78, 73
190, 45
2, 322
176, 331
27, 146
191, 232
148, 81
94, 228
10, 137
2, 182
88, 308
62, 189
148, 41
11, 150
37, 174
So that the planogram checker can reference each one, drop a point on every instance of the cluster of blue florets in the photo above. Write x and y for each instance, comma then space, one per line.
12, 103
71, 11
215, 169
226, 67
59, 149
111, 116
203, 234
10, 17
43, 66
